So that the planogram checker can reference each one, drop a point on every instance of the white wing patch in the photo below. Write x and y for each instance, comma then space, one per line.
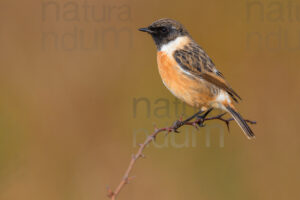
174, 45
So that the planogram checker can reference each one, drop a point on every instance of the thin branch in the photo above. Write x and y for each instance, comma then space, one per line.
199, 122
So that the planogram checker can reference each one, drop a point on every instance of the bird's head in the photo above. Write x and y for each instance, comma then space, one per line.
165, 30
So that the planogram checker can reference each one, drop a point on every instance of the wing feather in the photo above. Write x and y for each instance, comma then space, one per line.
195, 61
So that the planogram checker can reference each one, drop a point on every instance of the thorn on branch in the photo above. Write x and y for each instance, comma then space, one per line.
194, 124
152, 137
110, 193
181, 118
142, 155
131, 178
168, 130
128, 179
227, 124
155, 127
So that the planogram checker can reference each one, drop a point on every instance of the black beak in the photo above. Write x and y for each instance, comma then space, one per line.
147, 30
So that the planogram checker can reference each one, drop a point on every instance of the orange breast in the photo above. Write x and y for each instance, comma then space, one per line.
191, 90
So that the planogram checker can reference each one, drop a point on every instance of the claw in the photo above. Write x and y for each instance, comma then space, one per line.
177, 124
200, 124
176, 131
200, 121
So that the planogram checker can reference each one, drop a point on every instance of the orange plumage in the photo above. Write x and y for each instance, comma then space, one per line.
186, 88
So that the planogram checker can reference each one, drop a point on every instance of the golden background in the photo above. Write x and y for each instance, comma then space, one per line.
67, 125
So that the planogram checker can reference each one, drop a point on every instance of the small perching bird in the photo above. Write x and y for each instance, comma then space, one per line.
188, 72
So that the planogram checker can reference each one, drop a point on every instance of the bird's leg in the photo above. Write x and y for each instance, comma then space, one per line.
201, 118
193, 116
179, 123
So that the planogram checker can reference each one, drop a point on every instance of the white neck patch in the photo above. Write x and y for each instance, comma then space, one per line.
174, 45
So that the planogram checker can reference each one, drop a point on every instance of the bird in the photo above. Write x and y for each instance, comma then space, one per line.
189, 73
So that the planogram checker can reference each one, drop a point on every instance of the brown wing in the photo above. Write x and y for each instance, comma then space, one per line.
194, 60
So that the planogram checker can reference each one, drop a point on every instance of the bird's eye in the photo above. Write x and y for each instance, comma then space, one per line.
164, 29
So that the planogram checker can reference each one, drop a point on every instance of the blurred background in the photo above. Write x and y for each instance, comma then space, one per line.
79, 89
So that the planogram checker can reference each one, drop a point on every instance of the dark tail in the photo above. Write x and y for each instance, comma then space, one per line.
241, 122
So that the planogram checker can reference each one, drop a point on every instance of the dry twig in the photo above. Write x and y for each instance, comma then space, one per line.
199, 122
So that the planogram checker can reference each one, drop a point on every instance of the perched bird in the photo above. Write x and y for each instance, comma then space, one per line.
188, 72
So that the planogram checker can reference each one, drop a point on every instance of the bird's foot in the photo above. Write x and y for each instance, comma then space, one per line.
177, 124
201, 118
200, 121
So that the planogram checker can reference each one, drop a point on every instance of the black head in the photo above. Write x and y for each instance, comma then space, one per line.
164, 31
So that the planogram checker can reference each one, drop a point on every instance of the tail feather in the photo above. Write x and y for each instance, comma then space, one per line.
241, 122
